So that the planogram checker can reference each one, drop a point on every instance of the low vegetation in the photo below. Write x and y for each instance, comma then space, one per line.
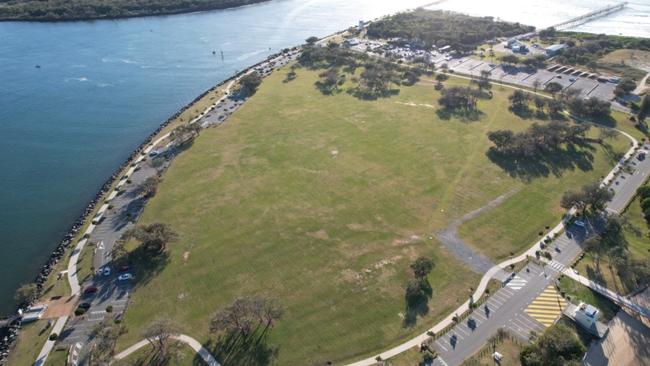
628, 269
98, 9
428, 28
558, 346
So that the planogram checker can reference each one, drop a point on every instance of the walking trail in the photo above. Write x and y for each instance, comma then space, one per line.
463, 251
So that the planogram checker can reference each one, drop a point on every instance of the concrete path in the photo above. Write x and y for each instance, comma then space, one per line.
462, 251
49, 345
616, 298
641, 86
183, 338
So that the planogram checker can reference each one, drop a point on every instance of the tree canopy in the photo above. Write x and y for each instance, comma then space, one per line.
538, 139
558, 346
427, 28
590, 197
154, 237
97, 9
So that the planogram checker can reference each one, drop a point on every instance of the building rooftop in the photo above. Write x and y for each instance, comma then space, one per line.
556, 47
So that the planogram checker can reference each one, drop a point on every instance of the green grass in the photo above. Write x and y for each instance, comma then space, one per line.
515, 224
58, 357
411, 357
31, 339
322, 202
579, 292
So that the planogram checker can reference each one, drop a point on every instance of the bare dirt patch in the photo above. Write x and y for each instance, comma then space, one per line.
320, 234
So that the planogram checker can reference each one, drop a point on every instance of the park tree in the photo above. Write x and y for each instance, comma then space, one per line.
186, 132
625, 86
249, 83
590, 197
26, 293
421, 267
553, 87
103, 341
154, 237
311, 40
510, 59
159, 333
558, 346
519, 100
644, 108
149, 186
246, 315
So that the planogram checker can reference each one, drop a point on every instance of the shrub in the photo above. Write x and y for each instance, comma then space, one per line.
53, 337
109, 309
643, 191
645, 203
79, 311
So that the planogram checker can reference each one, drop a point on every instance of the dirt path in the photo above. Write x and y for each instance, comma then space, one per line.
463, 251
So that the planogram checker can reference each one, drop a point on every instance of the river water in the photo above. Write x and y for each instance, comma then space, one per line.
103, 86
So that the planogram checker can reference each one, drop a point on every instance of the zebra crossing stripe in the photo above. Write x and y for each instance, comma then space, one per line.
516, 283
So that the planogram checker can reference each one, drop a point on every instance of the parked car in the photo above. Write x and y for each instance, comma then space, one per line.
125, 277
90, 290
84, 305
641, 156
124, 268
106, 271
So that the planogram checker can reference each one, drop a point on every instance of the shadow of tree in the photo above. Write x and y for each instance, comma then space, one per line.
146, 263
365, 94
544, 164
233, 348
465, 115
417, 302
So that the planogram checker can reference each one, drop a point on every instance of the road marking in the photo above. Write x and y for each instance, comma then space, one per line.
505, 290
547, 307
479, 315
517, 283
455, 334
495, 300
460, 328
441, 346
502, 297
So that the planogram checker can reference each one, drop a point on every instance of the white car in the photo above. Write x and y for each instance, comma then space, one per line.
107, 271
125, 277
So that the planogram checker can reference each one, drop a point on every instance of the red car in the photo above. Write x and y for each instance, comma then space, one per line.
90, 290
124, 268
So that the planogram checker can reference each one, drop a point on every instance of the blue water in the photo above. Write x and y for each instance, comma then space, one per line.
103, 86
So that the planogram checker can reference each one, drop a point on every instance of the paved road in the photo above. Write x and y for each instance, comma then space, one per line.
505, 308
625, 184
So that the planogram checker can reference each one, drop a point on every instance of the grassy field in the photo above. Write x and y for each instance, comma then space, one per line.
515, 224
30, 341
323, 201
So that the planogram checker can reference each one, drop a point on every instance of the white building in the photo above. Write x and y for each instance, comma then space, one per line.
586, 315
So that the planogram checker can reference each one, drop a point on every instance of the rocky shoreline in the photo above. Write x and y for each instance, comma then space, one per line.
10, 327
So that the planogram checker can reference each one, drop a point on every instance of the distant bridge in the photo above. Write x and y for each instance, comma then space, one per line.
592, 15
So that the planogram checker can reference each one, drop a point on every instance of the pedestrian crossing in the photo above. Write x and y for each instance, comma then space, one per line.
516, 283
556, 265
547, 307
